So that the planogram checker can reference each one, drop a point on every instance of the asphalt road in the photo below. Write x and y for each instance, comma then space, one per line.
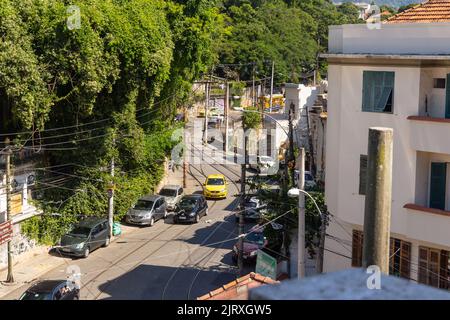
166, 261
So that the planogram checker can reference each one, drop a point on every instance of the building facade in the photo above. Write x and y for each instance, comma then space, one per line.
397, 76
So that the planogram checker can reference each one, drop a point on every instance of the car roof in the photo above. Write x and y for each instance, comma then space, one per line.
91, 221
152, 197
45, 285
193, 196
171, 187
216, 175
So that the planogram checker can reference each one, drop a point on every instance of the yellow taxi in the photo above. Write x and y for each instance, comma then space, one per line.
215, 186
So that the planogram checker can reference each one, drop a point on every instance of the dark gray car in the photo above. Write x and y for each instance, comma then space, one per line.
147, 210
89, 234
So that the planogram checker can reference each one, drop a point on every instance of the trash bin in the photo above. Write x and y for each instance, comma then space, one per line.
117, 230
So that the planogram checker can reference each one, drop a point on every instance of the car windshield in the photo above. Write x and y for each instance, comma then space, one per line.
215, 182
255, 237
168, 192
187, 203
80, 231
143, 205
29, 295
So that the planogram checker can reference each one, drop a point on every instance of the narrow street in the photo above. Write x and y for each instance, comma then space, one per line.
166, 261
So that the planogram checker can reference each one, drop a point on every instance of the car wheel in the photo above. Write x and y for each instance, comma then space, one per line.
107, 242
86, 252
152, 222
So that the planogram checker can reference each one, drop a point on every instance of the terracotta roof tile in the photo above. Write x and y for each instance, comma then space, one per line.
238, 289
427, 12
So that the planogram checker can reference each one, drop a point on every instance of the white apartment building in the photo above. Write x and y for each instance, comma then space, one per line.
397, 76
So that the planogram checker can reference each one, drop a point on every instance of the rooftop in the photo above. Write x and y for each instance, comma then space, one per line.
238, 289
429, 11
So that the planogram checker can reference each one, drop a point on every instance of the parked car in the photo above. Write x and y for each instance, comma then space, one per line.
253, 241
264, 165
251, 209
147, 211
215, 186
191, 208
89, 234
172, 194
309, 180
51, 290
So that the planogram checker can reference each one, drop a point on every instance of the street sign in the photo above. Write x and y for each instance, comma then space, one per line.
266, 265
5, 232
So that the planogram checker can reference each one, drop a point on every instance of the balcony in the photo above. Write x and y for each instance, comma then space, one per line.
430, 134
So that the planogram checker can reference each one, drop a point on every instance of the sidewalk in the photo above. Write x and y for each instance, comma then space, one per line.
33, 264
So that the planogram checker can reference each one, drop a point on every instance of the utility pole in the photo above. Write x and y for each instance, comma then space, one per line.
377, 213
291, 140
205, 131
184, 151
253, 86
241, 213
225, 111
111, 195
271, 86
8, 152
301, 216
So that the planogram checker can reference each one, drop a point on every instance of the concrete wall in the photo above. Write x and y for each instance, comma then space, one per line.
405, 38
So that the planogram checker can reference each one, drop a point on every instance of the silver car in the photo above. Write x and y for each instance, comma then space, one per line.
147, 211
172, 194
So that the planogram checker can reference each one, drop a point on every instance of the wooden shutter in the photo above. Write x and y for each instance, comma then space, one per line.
438, 185
367, 94
423, 265
362, 174
357, 248
405, 262
444, 270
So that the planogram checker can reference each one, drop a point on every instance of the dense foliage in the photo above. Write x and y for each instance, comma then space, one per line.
291, 33
115, 83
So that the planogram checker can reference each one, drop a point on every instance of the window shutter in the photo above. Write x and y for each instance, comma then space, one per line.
357, 248
378, 88
423, 265
437, 185
444, 271
405, 263
362, 174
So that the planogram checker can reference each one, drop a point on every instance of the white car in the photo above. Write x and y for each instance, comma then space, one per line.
264, 165
172, 194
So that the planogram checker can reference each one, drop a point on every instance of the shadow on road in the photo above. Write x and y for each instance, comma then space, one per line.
150, 282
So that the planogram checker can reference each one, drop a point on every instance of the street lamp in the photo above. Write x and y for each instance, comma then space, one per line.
295, 193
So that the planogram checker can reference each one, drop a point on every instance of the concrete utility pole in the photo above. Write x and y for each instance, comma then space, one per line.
301, 215
320, 255
225, 111
241, 213
291, 140
377, 214
186, 120
271, 85
111, 196
8, 152
205, 131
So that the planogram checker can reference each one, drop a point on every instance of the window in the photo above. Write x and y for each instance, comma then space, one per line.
438, 185
439, 83
378, 91
400, 258
434, 267
399, 255
362, 174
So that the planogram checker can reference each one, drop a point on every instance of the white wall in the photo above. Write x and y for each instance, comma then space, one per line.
405, 38
347, 139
